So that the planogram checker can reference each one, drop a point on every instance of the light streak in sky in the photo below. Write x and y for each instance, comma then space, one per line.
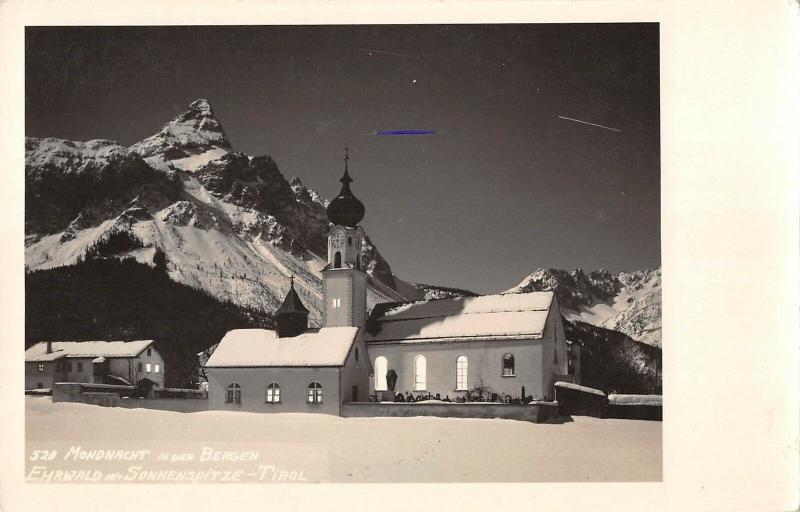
396, 54
587, 122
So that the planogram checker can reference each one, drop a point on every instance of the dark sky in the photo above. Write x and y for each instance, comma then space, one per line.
503, 187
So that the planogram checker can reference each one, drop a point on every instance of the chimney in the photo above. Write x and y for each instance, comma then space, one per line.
49, 347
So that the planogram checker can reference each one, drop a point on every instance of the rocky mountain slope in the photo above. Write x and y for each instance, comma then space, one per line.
230, 224
113, 299
629, 302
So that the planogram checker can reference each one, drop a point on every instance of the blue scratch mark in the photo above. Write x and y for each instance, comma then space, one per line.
406, 132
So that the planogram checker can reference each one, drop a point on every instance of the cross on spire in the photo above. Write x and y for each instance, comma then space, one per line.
346, 179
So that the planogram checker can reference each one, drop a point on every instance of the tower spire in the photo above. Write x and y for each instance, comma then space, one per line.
346, 209
346, 179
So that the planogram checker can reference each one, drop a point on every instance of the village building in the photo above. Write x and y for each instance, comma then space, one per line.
508, 346
96, 362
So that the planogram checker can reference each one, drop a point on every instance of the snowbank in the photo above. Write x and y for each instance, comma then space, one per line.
576, 387
635, 400
333, 449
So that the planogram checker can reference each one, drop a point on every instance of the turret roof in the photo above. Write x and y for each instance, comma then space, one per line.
292, 303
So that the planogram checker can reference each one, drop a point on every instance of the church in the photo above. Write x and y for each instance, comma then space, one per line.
510, 346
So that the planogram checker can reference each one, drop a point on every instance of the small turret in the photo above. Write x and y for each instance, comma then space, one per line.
292, 317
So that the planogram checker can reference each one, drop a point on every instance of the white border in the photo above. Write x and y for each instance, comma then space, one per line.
730, 258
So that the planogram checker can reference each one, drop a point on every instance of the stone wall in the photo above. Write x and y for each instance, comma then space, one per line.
166, 404
76, 391
532, 412
634, 412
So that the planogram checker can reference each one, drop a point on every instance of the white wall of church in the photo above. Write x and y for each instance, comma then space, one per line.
356, 372
293, 383
559, 344
536, 368
484, 366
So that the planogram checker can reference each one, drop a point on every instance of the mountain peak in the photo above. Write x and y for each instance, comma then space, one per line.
201, 104
192, 139
629, 302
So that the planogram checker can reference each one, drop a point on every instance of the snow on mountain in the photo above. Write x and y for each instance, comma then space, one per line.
629, 302
188, 142
46, 153
229, 224
421, 291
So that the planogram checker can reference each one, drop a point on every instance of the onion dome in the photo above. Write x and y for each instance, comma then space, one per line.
346, 209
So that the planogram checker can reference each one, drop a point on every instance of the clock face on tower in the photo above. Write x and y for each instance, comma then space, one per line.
337, 240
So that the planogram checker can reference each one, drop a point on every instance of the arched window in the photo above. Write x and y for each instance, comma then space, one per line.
508, 365
273, 393
381, 365
337, 260
234, 395
461, 373
419, 373
315, 393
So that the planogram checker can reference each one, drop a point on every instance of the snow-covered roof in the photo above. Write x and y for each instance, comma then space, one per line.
576, 387
92, 349
635, 399
328, 346
507, 316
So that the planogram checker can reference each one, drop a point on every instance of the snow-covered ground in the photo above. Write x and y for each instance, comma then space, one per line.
314, 448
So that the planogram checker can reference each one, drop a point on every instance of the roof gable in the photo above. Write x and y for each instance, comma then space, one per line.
328, 346
505, 316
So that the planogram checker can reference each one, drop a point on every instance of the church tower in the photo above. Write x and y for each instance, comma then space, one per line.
345, 281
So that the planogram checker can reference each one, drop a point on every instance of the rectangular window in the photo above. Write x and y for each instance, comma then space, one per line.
508, 365
139, 367
69, 367
149, 351
80, 367
315, 396
157, 368
148, 367
273, 395
40, 367
234, 395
